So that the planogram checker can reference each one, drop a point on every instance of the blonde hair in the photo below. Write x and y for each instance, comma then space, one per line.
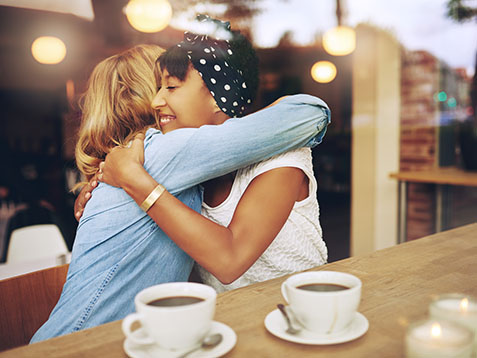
116, 104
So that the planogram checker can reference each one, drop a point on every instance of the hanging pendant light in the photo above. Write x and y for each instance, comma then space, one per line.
340, 40
48, 50
148, 15
323, 71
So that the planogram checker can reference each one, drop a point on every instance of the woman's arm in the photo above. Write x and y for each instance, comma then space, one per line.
186, 157
226, 252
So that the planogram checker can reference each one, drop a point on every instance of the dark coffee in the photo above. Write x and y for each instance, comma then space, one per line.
175, 301
323, 287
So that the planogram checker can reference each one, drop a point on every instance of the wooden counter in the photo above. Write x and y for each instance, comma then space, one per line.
449, 176
398, 285
441, 177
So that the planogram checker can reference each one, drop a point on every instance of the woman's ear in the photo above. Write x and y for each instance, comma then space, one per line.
215, 106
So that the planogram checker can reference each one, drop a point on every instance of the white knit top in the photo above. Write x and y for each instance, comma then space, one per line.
299, 244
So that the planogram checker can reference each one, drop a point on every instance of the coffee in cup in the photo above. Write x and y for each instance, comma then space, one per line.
174, 315
323, 302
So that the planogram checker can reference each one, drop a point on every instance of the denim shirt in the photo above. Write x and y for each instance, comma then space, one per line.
119, 250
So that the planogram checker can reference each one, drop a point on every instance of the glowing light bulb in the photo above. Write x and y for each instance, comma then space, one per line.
436, 330
148, 15
48, 50
464, 304
339, 41
323, 71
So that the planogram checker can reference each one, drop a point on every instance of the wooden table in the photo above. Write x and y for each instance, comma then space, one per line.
442, 177
398, 285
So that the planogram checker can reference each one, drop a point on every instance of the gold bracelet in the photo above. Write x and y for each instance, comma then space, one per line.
152, 197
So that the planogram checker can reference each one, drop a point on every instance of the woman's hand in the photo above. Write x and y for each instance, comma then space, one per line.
122, 164
83, 197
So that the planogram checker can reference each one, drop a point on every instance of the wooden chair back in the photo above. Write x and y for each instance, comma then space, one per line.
26, 302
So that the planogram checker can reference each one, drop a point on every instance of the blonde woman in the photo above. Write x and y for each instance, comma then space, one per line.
119, 249
115, 107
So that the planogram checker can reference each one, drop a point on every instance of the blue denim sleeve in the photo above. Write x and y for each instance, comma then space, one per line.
189, 156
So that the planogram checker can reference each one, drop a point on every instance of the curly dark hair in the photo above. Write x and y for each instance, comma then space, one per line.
244, 58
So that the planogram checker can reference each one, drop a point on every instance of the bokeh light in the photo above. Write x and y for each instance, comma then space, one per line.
442, 96
48, 50
452, 102
339, 41
148, 15
323, 71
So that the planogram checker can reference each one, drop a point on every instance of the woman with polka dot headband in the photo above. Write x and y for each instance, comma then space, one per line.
259, 222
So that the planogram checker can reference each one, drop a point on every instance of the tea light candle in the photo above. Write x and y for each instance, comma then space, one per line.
438, 339
458, 308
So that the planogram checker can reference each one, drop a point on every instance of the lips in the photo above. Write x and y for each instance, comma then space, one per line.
166, 119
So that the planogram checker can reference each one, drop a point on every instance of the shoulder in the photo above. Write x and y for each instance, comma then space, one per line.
297, 158
303, 99
156, 140
160, 148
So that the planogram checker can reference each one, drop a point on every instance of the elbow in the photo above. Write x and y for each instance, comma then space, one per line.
227, 278
321, 127
228, 271
228, 262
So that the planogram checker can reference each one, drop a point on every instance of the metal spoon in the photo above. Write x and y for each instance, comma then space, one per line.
209, 342
290, 329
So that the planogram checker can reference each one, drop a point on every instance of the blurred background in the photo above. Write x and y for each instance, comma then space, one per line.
398, 76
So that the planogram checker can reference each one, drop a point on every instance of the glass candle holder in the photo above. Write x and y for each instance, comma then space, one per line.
458, 308
438, 339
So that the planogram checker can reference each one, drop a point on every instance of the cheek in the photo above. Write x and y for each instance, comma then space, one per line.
207, 111
202, 105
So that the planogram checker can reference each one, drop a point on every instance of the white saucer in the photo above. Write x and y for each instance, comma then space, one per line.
134, 350
276, 325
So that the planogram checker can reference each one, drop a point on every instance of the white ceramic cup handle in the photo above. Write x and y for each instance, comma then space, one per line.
126, 326
284, 293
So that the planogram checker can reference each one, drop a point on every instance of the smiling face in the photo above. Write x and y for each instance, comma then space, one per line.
185, 104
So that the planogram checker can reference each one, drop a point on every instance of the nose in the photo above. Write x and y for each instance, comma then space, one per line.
158, 101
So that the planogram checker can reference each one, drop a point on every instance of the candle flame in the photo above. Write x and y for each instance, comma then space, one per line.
464, 304
436, 330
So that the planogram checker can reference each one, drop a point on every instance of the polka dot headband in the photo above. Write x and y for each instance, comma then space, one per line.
210, 56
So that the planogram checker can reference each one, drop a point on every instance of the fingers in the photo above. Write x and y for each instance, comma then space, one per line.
138, 140
140, 136
93, 180
83, 198
93, 184
79, 214
100, 171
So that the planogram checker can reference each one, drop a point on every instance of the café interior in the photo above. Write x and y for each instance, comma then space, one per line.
396, 174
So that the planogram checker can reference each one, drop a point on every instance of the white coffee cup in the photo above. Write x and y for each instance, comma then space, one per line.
172, 327
318, 311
